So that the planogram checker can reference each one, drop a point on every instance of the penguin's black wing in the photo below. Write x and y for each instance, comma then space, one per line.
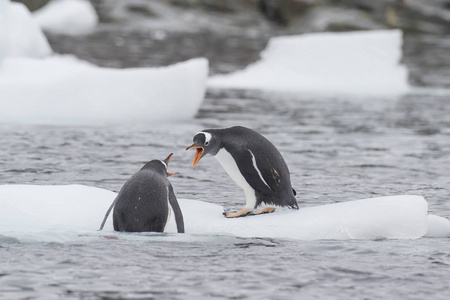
247, 165
176, 210
107, 214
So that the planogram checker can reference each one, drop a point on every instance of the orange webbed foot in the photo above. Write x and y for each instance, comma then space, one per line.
266, 210
242, 213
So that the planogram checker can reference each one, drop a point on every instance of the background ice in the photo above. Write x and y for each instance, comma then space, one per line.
73, 17
366, 62
64, 90
37, 88
80, 209
20, 35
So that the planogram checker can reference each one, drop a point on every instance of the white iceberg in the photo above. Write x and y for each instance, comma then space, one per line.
70, 17
363, 62
65, 90
74, 210
38, 88
20, 35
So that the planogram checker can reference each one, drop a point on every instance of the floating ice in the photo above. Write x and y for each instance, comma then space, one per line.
78, 210
363, 62
71, 17
20, 35
438, 227
37, 88
32, 208
65, 90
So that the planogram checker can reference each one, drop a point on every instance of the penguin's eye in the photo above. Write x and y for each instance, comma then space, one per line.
206, 143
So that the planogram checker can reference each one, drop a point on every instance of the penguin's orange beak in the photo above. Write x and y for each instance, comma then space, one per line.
198, 154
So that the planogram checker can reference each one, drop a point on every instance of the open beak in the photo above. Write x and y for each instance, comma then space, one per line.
166, 161
198, 154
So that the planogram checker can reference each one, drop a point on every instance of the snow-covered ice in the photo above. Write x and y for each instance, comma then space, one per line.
363, 62
76, 210
39, 88
65, 90
71, 17
20, 35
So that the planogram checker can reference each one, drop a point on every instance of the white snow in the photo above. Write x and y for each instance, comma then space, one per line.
71, 17
362, 62
65, 90
20, 35
71, 211
37, 88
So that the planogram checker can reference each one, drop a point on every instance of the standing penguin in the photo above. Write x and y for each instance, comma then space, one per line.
253, 162
143, 202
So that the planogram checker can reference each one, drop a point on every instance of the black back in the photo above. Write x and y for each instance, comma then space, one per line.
143, 202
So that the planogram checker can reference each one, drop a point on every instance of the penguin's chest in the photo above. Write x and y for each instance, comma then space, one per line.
229, 165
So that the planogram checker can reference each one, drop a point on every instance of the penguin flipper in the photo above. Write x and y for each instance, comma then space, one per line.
176, 210
107, 214
247, 165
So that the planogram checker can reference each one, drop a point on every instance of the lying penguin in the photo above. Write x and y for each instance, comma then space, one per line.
253, 162
143, 202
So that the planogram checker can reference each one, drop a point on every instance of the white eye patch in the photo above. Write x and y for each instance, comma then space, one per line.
208, 137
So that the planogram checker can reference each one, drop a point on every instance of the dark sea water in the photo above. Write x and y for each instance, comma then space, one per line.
338, 148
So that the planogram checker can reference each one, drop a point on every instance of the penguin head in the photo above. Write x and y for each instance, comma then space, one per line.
159, 165
204, 143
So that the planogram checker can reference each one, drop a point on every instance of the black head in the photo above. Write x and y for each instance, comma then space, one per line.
204, 142
159, 165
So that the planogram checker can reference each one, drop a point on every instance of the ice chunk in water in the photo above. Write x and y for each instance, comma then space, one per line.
363, 62
20, 35
80, 209
72, 17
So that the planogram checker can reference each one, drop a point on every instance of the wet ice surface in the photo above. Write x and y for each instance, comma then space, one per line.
337, 148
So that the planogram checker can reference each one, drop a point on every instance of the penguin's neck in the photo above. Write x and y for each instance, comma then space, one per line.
228, 163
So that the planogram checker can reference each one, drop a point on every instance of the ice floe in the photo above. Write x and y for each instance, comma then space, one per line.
76, 210
39, 88
71, 17
363, 62
65, 90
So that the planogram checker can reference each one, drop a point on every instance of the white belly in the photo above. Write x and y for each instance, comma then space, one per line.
229, 165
